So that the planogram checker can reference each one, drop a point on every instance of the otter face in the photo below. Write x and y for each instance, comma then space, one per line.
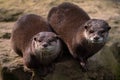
46, 41
96, 31
46, 46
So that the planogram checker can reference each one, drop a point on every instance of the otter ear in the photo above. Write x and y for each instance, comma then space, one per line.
109, 28
57, 36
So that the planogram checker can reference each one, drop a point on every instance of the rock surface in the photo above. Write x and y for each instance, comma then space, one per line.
99, 67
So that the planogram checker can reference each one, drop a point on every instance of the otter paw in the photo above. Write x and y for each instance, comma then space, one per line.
83, 66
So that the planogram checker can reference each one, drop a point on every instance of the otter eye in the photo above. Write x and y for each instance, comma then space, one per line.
86, 27
35, 38
51, 40
40, 41
91, 31
103, 31
57, 37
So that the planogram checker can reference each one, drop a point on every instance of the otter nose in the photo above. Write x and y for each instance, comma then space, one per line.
45, 44
96, 38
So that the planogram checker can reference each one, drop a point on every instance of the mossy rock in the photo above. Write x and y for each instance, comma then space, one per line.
100, 67
14, 70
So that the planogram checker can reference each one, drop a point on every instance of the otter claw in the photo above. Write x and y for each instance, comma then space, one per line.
84, 67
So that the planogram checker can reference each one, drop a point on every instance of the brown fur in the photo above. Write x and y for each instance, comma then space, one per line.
25, 29
69, 21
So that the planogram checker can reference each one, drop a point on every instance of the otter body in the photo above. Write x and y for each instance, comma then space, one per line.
32, 39
24, 29
43, 49
82, 35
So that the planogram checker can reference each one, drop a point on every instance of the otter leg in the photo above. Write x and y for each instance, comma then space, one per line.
45, 70
83, 64
31, 62
35, 76
51, 68
42, 71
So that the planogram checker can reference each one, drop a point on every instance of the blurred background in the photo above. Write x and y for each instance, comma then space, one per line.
108, 57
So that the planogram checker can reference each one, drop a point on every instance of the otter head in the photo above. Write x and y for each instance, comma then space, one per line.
46, 45
96, 31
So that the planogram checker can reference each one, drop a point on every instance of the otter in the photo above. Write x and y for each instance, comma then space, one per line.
42, 51
83, 36
24, 29
33, 40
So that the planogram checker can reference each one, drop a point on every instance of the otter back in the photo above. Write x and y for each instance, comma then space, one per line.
24, 29
82, 35
65, 19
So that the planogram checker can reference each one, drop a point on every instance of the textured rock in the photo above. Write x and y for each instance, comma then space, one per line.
115, 48
12, 68
100, 68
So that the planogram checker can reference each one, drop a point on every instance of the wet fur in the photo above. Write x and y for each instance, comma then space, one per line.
69, 21
23, 31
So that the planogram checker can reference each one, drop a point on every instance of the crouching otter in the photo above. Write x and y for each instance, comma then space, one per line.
31, 39
82, 35
42, 51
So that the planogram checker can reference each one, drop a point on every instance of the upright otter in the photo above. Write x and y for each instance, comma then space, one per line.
82, 35
32, 39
